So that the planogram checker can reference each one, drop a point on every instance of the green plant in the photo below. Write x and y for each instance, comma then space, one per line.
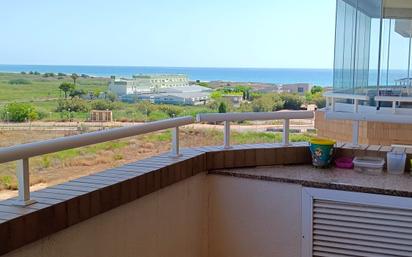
77, 92
118, 157
19, 82
158, 115
66, 88
8, 182
267, 103
73, 105
74, 77
292, 101
103, 105
48, 74
45, 161
222, 107
316, 89
19, 112
171, 110
319, 100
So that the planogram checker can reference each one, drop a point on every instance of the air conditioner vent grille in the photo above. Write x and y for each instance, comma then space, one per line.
345, 229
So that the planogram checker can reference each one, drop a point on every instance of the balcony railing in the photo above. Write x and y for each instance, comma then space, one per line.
226, 118
22, 153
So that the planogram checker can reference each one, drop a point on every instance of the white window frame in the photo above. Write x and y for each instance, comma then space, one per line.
310, 194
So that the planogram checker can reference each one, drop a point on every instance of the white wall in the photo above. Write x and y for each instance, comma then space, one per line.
170, 222
206, 215
251, 218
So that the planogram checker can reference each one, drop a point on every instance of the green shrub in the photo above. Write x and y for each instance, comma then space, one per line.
73, 105
19, 82
171, 110
48, 74
222, 107
267, 103
8, 182
158, 115
19, 112
292, 101
103, 105
319, 100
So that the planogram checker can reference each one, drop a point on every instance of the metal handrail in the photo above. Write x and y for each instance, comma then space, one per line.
242, 116
22, 153
17, 152
286, 116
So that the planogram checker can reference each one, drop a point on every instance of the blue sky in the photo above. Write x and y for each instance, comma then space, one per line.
179, 33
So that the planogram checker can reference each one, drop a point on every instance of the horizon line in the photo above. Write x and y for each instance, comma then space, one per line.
151, 66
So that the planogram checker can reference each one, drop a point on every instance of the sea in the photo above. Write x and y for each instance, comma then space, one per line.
321, 77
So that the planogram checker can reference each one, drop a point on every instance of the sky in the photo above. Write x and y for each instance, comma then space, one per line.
174, 33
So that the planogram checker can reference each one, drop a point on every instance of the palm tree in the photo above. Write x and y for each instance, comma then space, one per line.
74, 76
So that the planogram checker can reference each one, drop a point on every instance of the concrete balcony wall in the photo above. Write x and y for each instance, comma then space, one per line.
168, 222
254, 218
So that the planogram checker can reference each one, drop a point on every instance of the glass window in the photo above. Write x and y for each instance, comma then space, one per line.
357, 46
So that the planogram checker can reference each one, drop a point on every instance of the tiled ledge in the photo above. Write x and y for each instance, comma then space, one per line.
66, 204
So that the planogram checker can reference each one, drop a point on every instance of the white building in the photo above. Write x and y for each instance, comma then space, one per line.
142, 84
298, 88
186, 98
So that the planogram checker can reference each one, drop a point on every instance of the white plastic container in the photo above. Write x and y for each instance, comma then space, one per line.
396, 163
370, 165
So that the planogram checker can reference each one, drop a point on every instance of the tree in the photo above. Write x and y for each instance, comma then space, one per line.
74, 77
19, 112
292, 101
267, 103
66, 88
77, 92
222, 107
316, 89
319, 100
111, 96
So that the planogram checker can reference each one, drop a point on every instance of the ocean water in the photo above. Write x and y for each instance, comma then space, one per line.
322, 77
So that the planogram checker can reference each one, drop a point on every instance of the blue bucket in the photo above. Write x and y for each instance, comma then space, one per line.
322, 152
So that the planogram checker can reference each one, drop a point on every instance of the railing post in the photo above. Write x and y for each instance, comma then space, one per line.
356, 106
226, 134
355, 134
285, 138
23, 176
175, 142
333, 104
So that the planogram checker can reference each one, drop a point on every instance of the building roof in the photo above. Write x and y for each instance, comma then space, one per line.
175, 94
186, 89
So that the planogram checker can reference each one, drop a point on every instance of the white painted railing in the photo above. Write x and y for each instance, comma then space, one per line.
394, 100
22, 153
286, 116
332, 97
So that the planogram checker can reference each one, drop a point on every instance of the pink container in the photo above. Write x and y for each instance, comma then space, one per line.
344, 163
